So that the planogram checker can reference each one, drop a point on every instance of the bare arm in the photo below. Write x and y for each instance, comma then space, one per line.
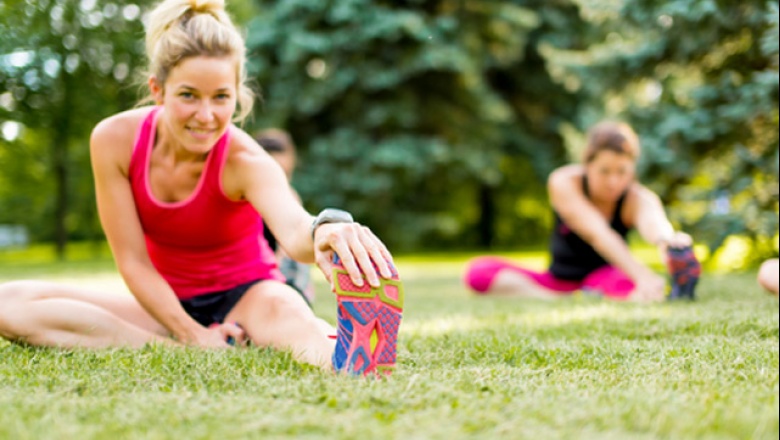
253, 175
579, 214
652, 224
280, 251
110, 156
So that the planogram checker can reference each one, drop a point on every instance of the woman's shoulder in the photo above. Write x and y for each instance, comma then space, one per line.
638, 193
120, 128
247, 165
567, 176
112, 139
242, 147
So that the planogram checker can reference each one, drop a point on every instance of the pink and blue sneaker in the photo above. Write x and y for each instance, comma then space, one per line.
368, 322
685, 271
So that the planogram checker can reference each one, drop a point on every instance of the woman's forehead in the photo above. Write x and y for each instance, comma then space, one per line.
608, 157
204, 72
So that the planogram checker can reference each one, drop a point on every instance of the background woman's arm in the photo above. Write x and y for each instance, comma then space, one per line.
653, 225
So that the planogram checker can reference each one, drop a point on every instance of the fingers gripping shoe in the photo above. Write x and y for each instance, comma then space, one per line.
685, 271
368, 321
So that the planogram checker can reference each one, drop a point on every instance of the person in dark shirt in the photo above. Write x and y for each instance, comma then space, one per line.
596, 204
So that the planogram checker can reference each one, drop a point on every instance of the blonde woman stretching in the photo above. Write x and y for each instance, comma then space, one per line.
181, 194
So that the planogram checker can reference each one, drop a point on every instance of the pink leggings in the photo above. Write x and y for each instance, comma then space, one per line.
607, 280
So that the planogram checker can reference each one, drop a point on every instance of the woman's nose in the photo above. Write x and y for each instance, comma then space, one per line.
204, 113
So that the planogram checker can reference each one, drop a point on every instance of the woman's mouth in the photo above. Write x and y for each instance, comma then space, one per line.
200, 133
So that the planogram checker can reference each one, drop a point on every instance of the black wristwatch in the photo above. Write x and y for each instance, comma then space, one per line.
330, 215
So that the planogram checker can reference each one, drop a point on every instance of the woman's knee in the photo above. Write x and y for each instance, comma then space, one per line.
481, 271
289, 304
18, 291
13, 296
768, 275
272, 302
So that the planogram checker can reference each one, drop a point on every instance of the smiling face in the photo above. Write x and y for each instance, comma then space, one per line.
609, 175
199, 99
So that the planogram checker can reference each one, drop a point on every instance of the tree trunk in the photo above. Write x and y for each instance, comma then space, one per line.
486, 225
59, 151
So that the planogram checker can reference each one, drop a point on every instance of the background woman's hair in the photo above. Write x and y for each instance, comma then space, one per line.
181, 29
617, 137
274, 140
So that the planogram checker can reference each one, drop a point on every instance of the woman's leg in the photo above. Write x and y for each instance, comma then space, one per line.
610, 282
48, 314
274, 315
768, 275
490, 275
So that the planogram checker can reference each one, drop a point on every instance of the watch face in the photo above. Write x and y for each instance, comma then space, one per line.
331, 215
335, 216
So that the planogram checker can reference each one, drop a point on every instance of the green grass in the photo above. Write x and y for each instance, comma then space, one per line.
470, 368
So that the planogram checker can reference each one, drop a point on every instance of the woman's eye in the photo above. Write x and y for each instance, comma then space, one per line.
186, 95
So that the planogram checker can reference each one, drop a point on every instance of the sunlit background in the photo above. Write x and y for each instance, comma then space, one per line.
434, 122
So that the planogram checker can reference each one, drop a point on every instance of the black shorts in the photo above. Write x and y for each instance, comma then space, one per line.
212, 308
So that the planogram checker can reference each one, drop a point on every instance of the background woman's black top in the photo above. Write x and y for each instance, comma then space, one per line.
572, 257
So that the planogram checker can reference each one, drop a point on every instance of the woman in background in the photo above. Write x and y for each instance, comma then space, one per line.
596, 203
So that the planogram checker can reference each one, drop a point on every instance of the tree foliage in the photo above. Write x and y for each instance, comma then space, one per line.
65, 65
416, 114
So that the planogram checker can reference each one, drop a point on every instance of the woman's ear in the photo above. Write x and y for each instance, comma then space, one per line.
156, 88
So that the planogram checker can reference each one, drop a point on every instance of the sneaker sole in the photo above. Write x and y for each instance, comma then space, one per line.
369, 318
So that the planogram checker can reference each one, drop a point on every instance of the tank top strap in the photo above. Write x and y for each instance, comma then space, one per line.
617, 219
585, 188
141, 147
618, 216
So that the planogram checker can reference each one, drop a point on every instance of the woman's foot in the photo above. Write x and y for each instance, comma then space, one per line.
685, 271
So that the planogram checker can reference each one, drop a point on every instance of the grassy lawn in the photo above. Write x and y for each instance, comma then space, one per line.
481, 368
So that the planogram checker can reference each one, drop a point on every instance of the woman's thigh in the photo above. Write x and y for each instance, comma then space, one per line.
609, 281
274, 315
497, 275
124, 306
271, 310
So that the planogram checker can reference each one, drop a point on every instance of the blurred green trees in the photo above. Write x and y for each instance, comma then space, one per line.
64, 66
436, 122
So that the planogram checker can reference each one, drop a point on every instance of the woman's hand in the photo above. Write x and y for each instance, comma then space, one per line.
216, 336
678, 240
649, 288
360, 251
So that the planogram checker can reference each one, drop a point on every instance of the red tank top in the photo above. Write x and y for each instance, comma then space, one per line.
206, 243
